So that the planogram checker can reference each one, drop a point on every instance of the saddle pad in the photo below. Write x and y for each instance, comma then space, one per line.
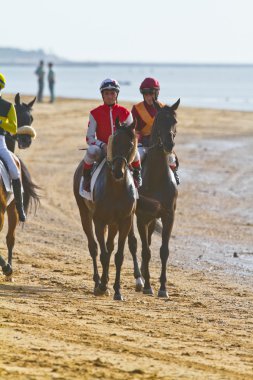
7, 182
131, 180
5, 177
89, 195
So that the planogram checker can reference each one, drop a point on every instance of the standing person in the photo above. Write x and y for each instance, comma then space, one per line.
8, 123
51, 81
101, 127
144, 113
40, 75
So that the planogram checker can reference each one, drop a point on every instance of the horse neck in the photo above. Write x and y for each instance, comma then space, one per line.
10, 143
156, 164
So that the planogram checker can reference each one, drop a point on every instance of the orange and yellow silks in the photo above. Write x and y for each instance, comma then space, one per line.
146, 117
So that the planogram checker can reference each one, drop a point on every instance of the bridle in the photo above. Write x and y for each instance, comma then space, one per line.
159, 143
122, 158
110, 163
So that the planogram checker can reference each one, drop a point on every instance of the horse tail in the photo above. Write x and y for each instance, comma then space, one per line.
30, 194
148, 206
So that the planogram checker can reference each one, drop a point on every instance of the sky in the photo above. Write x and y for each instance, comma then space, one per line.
163, 31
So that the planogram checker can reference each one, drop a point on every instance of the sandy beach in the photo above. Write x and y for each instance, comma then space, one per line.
53, 327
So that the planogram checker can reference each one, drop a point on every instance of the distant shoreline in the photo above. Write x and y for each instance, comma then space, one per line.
60, 99
136, 64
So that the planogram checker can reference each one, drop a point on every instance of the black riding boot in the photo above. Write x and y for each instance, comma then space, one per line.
16, 183
137, 177
86, 179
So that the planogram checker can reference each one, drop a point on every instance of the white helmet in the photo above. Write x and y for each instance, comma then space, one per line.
109, 84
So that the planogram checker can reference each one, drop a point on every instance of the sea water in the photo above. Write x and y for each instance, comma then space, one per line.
210, 86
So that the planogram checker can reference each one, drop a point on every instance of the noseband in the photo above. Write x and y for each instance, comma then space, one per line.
116, 158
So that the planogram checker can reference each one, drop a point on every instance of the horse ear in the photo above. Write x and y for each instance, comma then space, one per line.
117, 123
174, 107
17, 99
31, 103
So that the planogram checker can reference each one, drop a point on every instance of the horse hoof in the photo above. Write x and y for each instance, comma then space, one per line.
118, 297
7, 270
99, 292
139, 284
148, 292
9, 278
163, 294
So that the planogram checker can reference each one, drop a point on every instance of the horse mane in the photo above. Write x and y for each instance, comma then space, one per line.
134, 149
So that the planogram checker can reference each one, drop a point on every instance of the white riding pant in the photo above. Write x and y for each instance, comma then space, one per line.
6, 155
142, 152
95, 153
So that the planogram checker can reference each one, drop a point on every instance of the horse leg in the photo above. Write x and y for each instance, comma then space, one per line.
119, 256
146, 255
112, 231
10, 237
151, 229
88, 230
105, 255
132, 244
167, 223
12, 224
6, 267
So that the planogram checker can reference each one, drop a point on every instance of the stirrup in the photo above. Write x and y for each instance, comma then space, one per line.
137, 178
177, 177
86, 183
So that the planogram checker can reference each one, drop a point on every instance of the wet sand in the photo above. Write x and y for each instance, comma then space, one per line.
52, 327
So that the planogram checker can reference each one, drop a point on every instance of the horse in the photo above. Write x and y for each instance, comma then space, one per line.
113, 207
158, 184
24, 136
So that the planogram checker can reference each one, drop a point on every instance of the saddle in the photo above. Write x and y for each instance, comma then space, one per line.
95, 173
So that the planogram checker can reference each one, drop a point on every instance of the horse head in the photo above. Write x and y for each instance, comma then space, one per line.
122, 148
164, 127
25, 131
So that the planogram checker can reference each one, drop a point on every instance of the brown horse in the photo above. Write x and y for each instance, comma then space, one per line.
113, 208
158, 184
25, 120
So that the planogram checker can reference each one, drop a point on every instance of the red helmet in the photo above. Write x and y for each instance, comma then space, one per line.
149, 84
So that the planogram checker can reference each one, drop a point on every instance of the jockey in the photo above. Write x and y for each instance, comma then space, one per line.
101, 126
144, 113
8, 123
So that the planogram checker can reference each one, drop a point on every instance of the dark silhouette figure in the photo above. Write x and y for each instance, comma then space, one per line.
40, 75
51, 81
